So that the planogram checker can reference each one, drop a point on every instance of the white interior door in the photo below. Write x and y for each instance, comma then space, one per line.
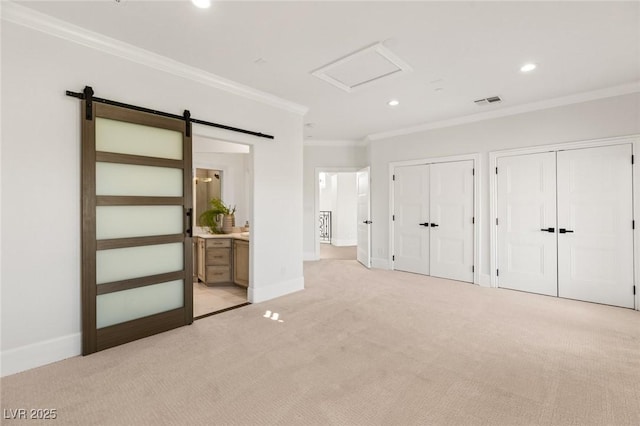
595, 213
451, 206
527, 252
411, 219
364, 217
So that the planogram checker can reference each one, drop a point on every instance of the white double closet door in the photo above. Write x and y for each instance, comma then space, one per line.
565, 224
433, 219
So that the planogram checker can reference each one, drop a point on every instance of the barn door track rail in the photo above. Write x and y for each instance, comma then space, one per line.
87, 95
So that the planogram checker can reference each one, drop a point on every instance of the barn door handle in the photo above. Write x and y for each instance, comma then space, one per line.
549, 230
189, 217
424, 224
434, 225
565, 231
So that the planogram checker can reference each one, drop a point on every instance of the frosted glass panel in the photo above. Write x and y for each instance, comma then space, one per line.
127, 179
126, 305
135, 262
135, 139
138, 221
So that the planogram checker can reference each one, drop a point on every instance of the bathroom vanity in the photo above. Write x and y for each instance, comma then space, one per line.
223, 259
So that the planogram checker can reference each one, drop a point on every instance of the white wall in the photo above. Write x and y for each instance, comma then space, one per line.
235, 174
339, 197
327, 195
346, 214
616, 116
331, 157
41, 149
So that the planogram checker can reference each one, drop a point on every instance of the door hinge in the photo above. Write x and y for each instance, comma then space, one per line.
393, 217
473, 220
393, 257
633, 224
496, 220
394, 177
496, 170
497, 272
473, 268
473, 171
631, 158
634, 290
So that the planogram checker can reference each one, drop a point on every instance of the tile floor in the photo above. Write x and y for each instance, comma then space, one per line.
211, 299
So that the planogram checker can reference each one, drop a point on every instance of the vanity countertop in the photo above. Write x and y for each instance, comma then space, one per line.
237, 236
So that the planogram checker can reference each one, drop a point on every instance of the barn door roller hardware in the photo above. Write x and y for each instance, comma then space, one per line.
87, 94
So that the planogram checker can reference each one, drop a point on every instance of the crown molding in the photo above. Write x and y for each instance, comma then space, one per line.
335, 142
24, 16
609, 92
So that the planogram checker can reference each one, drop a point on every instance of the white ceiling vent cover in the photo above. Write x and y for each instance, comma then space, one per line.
361, 68
487, 101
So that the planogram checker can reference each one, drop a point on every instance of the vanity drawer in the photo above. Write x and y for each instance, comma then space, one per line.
218, 274
218, 242
218, 256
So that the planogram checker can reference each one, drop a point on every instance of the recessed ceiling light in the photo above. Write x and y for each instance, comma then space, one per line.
393, 102
202, 4
528, 67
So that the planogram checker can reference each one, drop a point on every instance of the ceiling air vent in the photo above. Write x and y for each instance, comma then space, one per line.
362, 68
487, 101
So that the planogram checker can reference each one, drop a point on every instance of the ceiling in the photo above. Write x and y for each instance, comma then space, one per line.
458, 51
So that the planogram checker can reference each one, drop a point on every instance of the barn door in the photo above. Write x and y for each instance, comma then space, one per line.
136, 237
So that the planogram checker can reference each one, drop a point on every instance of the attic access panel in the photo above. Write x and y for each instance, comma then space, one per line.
362, 68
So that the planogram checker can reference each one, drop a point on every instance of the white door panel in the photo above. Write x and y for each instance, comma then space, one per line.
411, 205
595, 261
451, 213
364, 215
527, 255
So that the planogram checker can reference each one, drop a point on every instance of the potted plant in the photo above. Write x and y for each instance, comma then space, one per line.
211, 218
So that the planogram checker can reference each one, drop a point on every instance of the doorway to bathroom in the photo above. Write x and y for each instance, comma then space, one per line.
221, 180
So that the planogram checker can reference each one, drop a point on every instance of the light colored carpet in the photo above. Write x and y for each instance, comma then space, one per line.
361, 347
329, 251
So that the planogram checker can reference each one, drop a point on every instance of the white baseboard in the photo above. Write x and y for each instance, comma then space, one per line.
341, 243
309, 256
380, 263
263, 293
484, 280
41, 353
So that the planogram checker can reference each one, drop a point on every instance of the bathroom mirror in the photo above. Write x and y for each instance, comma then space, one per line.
208, 184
